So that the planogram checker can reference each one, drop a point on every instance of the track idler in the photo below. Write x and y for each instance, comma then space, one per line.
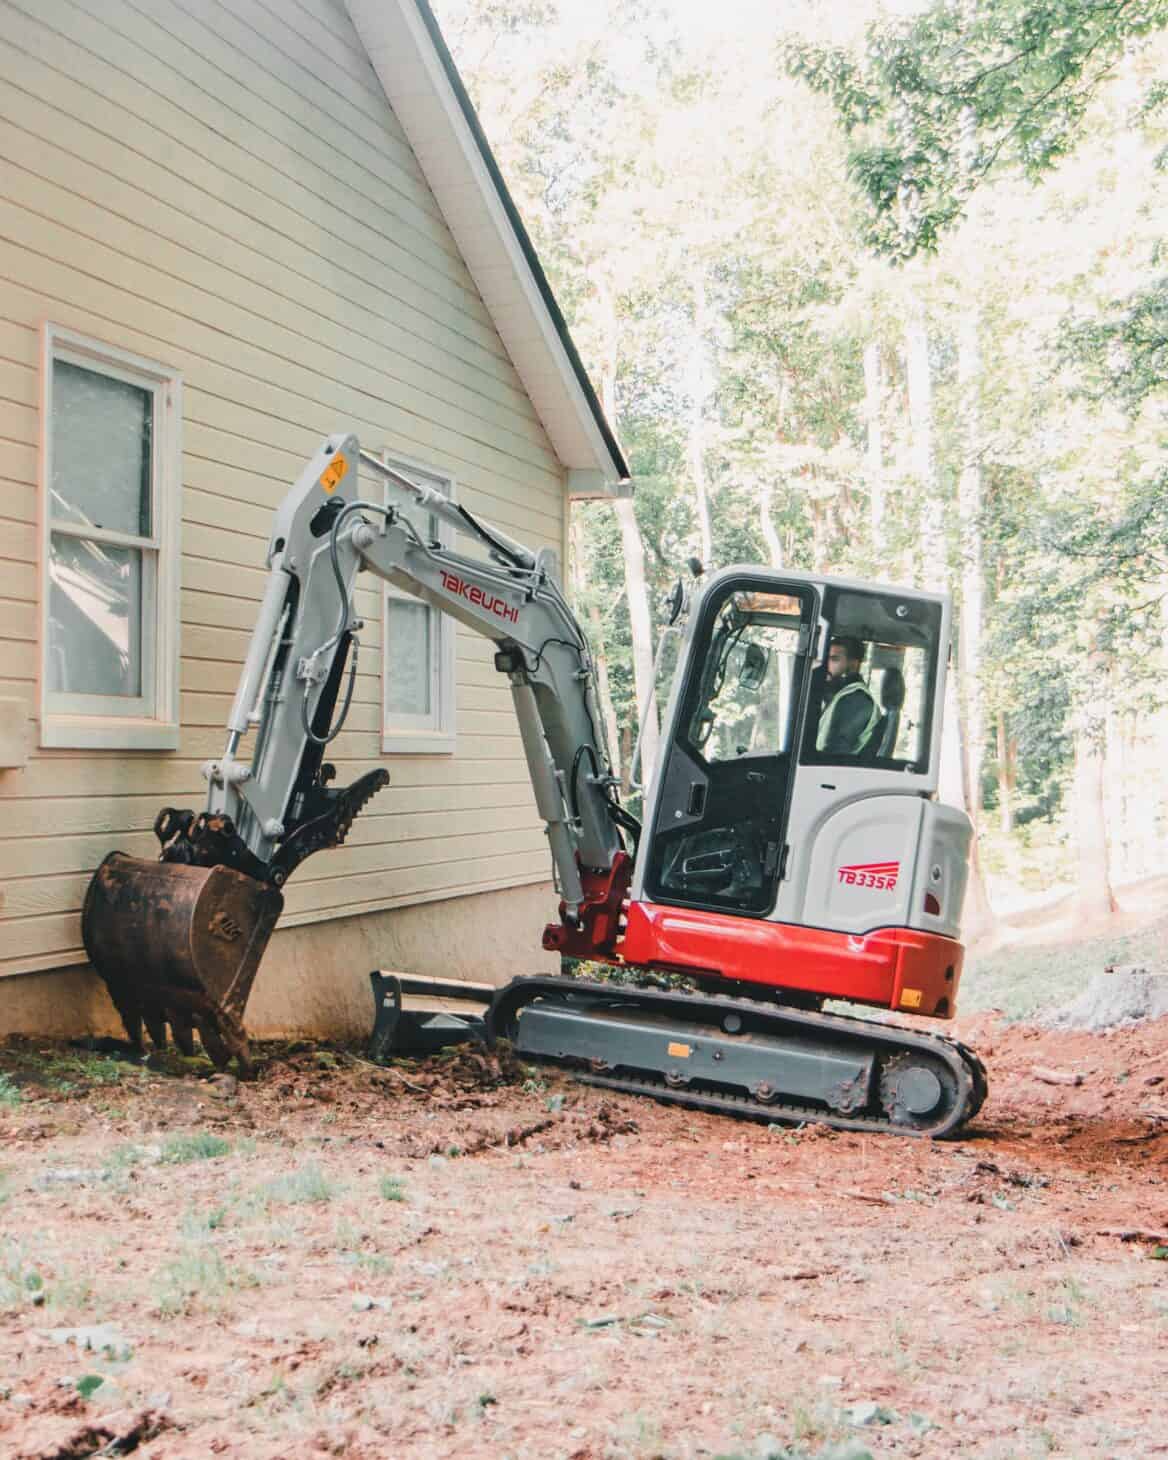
179, 945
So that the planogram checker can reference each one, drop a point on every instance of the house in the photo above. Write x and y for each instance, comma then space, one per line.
228, 228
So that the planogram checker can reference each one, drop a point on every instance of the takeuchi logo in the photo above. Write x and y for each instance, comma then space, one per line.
474, 594
881, 875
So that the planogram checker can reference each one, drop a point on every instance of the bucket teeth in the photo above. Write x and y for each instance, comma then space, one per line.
179, 945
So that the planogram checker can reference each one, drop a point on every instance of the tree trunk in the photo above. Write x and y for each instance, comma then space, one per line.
773, 546
642, 631
1005, 777
698, 389
633, 551
920, 409
604, 689
1095, 899
969, 507
578, 577
873, 391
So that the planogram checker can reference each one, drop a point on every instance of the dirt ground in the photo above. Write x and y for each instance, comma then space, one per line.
467, 1258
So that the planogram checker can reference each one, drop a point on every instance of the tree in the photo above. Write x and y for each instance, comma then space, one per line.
949, 98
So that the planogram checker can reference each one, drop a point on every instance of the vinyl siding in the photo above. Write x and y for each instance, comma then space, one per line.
220, 185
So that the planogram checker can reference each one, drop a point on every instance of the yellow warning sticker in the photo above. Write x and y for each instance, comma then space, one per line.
680, 1051
333, 473
911, 998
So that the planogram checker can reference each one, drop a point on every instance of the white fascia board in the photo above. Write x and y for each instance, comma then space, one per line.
418, 89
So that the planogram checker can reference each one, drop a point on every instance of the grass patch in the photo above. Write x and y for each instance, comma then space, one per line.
123, 1158
198, 1225
197, 1146
392, 1188
20, 1283
198, 1278
9, 1092
1031, 979
24, 1285
309, 1185
81, 1070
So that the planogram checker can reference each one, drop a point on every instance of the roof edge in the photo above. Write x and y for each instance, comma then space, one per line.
523, 238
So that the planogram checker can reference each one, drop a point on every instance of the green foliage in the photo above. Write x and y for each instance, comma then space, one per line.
943, 100
1122, 354
10, 1095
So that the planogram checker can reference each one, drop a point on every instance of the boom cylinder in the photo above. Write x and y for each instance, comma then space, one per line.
549, 795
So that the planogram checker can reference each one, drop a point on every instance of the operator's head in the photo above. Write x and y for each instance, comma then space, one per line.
844, 657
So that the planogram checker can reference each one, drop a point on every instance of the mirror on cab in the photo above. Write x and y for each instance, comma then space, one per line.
753, 671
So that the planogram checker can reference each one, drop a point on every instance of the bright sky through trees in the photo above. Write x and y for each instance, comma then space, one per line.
720, 192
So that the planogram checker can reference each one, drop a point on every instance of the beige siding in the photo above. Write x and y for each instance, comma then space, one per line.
220, 185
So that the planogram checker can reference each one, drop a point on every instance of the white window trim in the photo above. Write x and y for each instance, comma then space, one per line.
161, 640
433, 734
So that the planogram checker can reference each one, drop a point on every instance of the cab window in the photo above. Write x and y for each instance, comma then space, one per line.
747, 702
872, 693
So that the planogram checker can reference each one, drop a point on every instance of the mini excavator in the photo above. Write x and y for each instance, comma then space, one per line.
776, 868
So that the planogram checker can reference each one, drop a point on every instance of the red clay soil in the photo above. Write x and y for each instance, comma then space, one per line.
465, 1258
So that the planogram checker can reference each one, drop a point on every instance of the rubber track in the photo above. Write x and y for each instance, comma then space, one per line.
967, 1069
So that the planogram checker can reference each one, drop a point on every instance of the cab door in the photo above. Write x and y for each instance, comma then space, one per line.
719, 825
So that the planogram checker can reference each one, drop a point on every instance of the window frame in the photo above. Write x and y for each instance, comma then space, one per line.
101, 722
435, 733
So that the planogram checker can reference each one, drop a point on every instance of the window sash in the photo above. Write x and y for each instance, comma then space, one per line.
151, 718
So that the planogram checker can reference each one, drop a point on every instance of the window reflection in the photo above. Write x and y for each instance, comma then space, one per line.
95, 618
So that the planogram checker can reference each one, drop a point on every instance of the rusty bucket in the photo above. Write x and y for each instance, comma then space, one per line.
179, 945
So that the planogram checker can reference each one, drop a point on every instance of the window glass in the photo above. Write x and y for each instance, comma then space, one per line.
409, 631
95, 618
101, 451
418, 674
872, 697
745, 703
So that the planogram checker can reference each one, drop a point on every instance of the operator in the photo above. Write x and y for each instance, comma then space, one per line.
849, 715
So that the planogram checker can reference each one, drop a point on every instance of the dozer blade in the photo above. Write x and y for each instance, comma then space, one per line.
179, 945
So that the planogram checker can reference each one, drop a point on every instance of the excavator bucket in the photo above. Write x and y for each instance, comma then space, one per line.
179, 945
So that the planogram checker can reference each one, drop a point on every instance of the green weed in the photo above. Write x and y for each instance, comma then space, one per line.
197, 1278
9, 1092
197, 1146
196, 1225
78, 1071
308, 1185
392, 1188
123, 1158
20, 1282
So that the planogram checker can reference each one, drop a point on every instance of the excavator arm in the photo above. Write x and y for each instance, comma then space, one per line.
323, 536
270, 799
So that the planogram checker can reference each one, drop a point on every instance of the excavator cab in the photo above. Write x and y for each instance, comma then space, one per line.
725, 786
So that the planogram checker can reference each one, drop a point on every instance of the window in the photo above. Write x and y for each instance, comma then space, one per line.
877, 708
418, 664
111, 488
749, 703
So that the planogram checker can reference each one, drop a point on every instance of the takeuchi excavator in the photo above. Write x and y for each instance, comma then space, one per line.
777, 868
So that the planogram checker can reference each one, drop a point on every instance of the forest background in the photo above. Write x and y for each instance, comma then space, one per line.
878, 290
